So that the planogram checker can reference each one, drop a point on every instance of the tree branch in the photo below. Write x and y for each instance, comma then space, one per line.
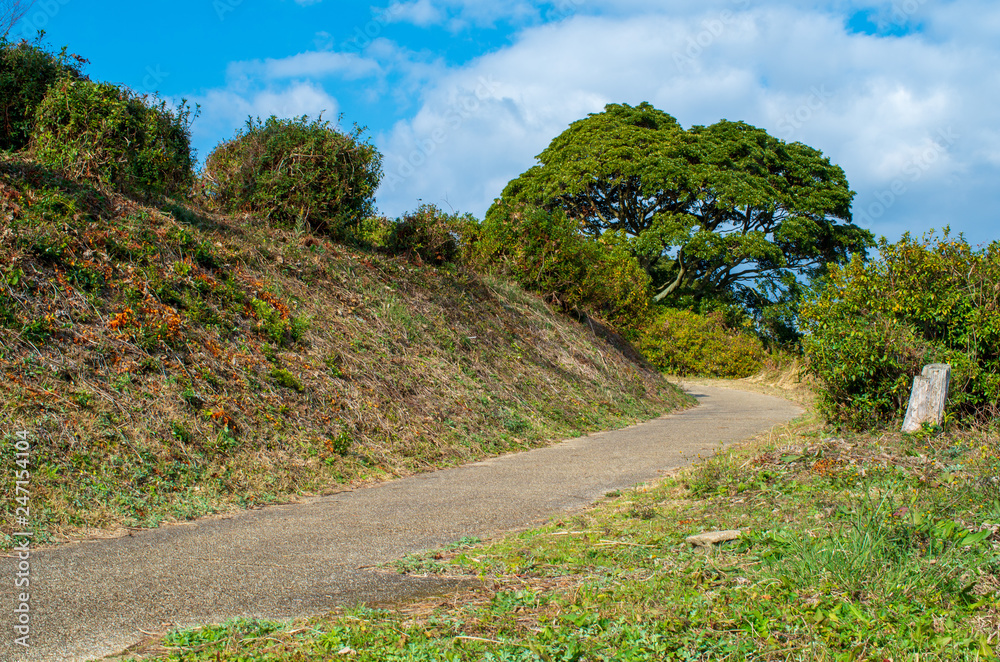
681, 273
12, 11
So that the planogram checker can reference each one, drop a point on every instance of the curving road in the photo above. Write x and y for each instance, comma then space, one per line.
96, 598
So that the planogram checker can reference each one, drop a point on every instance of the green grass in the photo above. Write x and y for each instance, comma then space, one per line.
853, 548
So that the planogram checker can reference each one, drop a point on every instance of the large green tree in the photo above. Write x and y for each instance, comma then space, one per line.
725, 211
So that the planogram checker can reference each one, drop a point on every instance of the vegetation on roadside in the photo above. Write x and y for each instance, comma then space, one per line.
857, 547
700, 251
874, 325
682, 342
545, 253
725, 214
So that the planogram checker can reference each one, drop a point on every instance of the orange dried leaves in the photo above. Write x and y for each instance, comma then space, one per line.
121, 320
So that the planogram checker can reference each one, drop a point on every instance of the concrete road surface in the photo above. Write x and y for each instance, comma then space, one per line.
96, 598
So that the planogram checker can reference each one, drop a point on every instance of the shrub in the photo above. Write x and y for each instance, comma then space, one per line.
432, 235
545, 252
542, 250
621, 285
110, 134
685, 343
284, 378
873, 326
296, 173
374, 232
26, 73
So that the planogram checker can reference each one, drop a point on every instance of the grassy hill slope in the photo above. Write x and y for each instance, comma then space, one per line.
169, 363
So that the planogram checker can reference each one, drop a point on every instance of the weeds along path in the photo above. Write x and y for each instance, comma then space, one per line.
96, 598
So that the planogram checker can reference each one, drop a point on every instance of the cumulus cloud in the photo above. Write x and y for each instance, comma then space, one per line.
283, 87
315, 64
903, 114
223, 111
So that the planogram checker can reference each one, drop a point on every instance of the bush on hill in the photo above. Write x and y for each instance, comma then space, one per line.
296, 173
685, 343
432, 235
111, 135
874, 325
545, 252
26, 72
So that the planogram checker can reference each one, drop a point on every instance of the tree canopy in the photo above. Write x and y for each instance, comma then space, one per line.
724, 210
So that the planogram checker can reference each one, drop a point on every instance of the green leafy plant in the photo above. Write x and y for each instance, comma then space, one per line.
873, 326
284, 378
374, 231
276, 322
545, 252
340, 443
685, 343
110, 134
432, 235
27, 70
916, 555
296, 173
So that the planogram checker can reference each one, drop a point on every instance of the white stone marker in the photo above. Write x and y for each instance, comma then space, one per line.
930, 390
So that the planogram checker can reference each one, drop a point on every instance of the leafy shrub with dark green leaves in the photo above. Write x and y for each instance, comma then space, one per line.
873, 326
111, 135
27, 71
296, 173
542, 250
683, 342
621, 285
545, 252
432, 235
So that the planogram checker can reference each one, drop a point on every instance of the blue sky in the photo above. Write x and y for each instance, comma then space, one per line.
460, 95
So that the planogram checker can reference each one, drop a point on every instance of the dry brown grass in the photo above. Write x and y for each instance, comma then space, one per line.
171, 363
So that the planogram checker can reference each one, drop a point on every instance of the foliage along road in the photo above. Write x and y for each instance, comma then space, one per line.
96, 598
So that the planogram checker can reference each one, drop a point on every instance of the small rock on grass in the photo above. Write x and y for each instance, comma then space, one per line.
710, 538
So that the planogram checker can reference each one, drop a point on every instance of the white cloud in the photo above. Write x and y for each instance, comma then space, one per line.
223, 111
418, 12
461, 14
285, 87
876, 105
314, 64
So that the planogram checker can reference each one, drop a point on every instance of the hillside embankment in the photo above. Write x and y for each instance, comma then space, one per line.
167, 362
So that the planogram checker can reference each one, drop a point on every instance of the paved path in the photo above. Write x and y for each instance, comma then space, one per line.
96, 598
